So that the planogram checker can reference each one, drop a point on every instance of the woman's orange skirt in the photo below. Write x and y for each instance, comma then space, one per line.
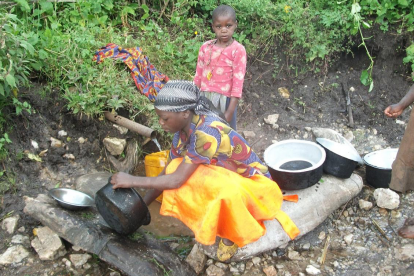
218, 202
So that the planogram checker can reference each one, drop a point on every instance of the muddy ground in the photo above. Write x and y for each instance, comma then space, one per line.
316, 100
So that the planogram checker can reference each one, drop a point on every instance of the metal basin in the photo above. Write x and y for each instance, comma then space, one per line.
341, 159
379, 167
71, 199
295, 164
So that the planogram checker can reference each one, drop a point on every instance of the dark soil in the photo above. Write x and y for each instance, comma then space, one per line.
316, 100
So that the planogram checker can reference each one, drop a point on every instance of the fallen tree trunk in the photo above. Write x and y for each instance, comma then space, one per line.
146, 256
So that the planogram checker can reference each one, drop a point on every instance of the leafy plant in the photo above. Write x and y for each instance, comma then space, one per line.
410, 58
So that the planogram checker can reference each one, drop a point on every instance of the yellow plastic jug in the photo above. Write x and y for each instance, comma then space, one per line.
154, 164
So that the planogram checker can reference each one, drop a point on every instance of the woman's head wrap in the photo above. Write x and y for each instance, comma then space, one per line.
180, 95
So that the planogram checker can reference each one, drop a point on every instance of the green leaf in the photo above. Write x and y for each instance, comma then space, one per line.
23, 4
46, 6
1, 90
10, 80
33, 157
27, 46
43, 54
371, 86
403, 3
145, 8
364, 77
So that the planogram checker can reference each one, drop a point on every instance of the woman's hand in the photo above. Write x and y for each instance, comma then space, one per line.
393, 111
123, 180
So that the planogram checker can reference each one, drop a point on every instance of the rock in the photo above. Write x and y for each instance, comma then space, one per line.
221, 265
349, 136
213, 270
35, 145
20, 239
322, 235
383, 212
271, 119
284, 92
275, 126
122, 130
13, 255
82, 140
256, 260
270, 271
348, 239
399, 122
197, 259
76, 248
55, 143
386, 198
294, 255
248, 134
91, 183
78, 260
48, 244
114, 273
365, 205
115, 146
10, 224
311, 270
62, 133
69, 156
405, 252
306, 246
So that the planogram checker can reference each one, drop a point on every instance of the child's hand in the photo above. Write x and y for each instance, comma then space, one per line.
393, 111
228, 116
122, 180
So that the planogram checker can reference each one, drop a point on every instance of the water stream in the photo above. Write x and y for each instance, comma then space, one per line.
157, 143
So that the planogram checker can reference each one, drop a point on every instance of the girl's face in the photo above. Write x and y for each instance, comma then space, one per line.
224, 27
173, 121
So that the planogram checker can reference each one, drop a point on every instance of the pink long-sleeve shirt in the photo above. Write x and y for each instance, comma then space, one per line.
227, 66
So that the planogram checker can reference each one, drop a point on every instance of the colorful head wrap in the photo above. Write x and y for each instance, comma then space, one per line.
180, 95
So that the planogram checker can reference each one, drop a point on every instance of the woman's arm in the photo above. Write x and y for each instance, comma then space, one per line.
395, 110
160, 183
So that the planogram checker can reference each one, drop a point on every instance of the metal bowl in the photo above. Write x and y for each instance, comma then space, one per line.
341, 159
378, 167
295, 164
71, 199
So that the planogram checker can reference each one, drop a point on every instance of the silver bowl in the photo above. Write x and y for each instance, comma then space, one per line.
295, 164
71, 199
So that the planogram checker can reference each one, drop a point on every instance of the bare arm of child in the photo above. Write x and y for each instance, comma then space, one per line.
395, 110
230, 110
160, 183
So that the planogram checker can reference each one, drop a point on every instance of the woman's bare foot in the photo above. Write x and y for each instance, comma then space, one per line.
407, 231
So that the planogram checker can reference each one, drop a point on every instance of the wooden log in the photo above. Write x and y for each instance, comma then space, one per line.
146, 256
131, 125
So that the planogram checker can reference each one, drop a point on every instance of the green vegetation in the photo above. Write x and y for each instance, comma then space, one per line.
56, 42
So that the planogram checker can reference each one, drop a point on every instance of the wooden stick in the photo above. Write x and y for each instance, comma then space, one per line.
325, 249
380, 229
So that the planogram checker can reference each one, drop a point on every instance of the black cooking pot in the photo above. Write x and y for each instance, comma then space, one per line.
123, 209
341, 159
378, 167
295, 164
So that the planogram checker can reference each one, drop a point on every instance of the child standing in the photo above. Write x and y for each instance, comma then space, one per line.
221, 65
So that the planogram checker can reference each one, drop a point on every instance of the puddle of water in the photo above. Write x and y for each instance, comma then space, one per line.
161, 225
164, 225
